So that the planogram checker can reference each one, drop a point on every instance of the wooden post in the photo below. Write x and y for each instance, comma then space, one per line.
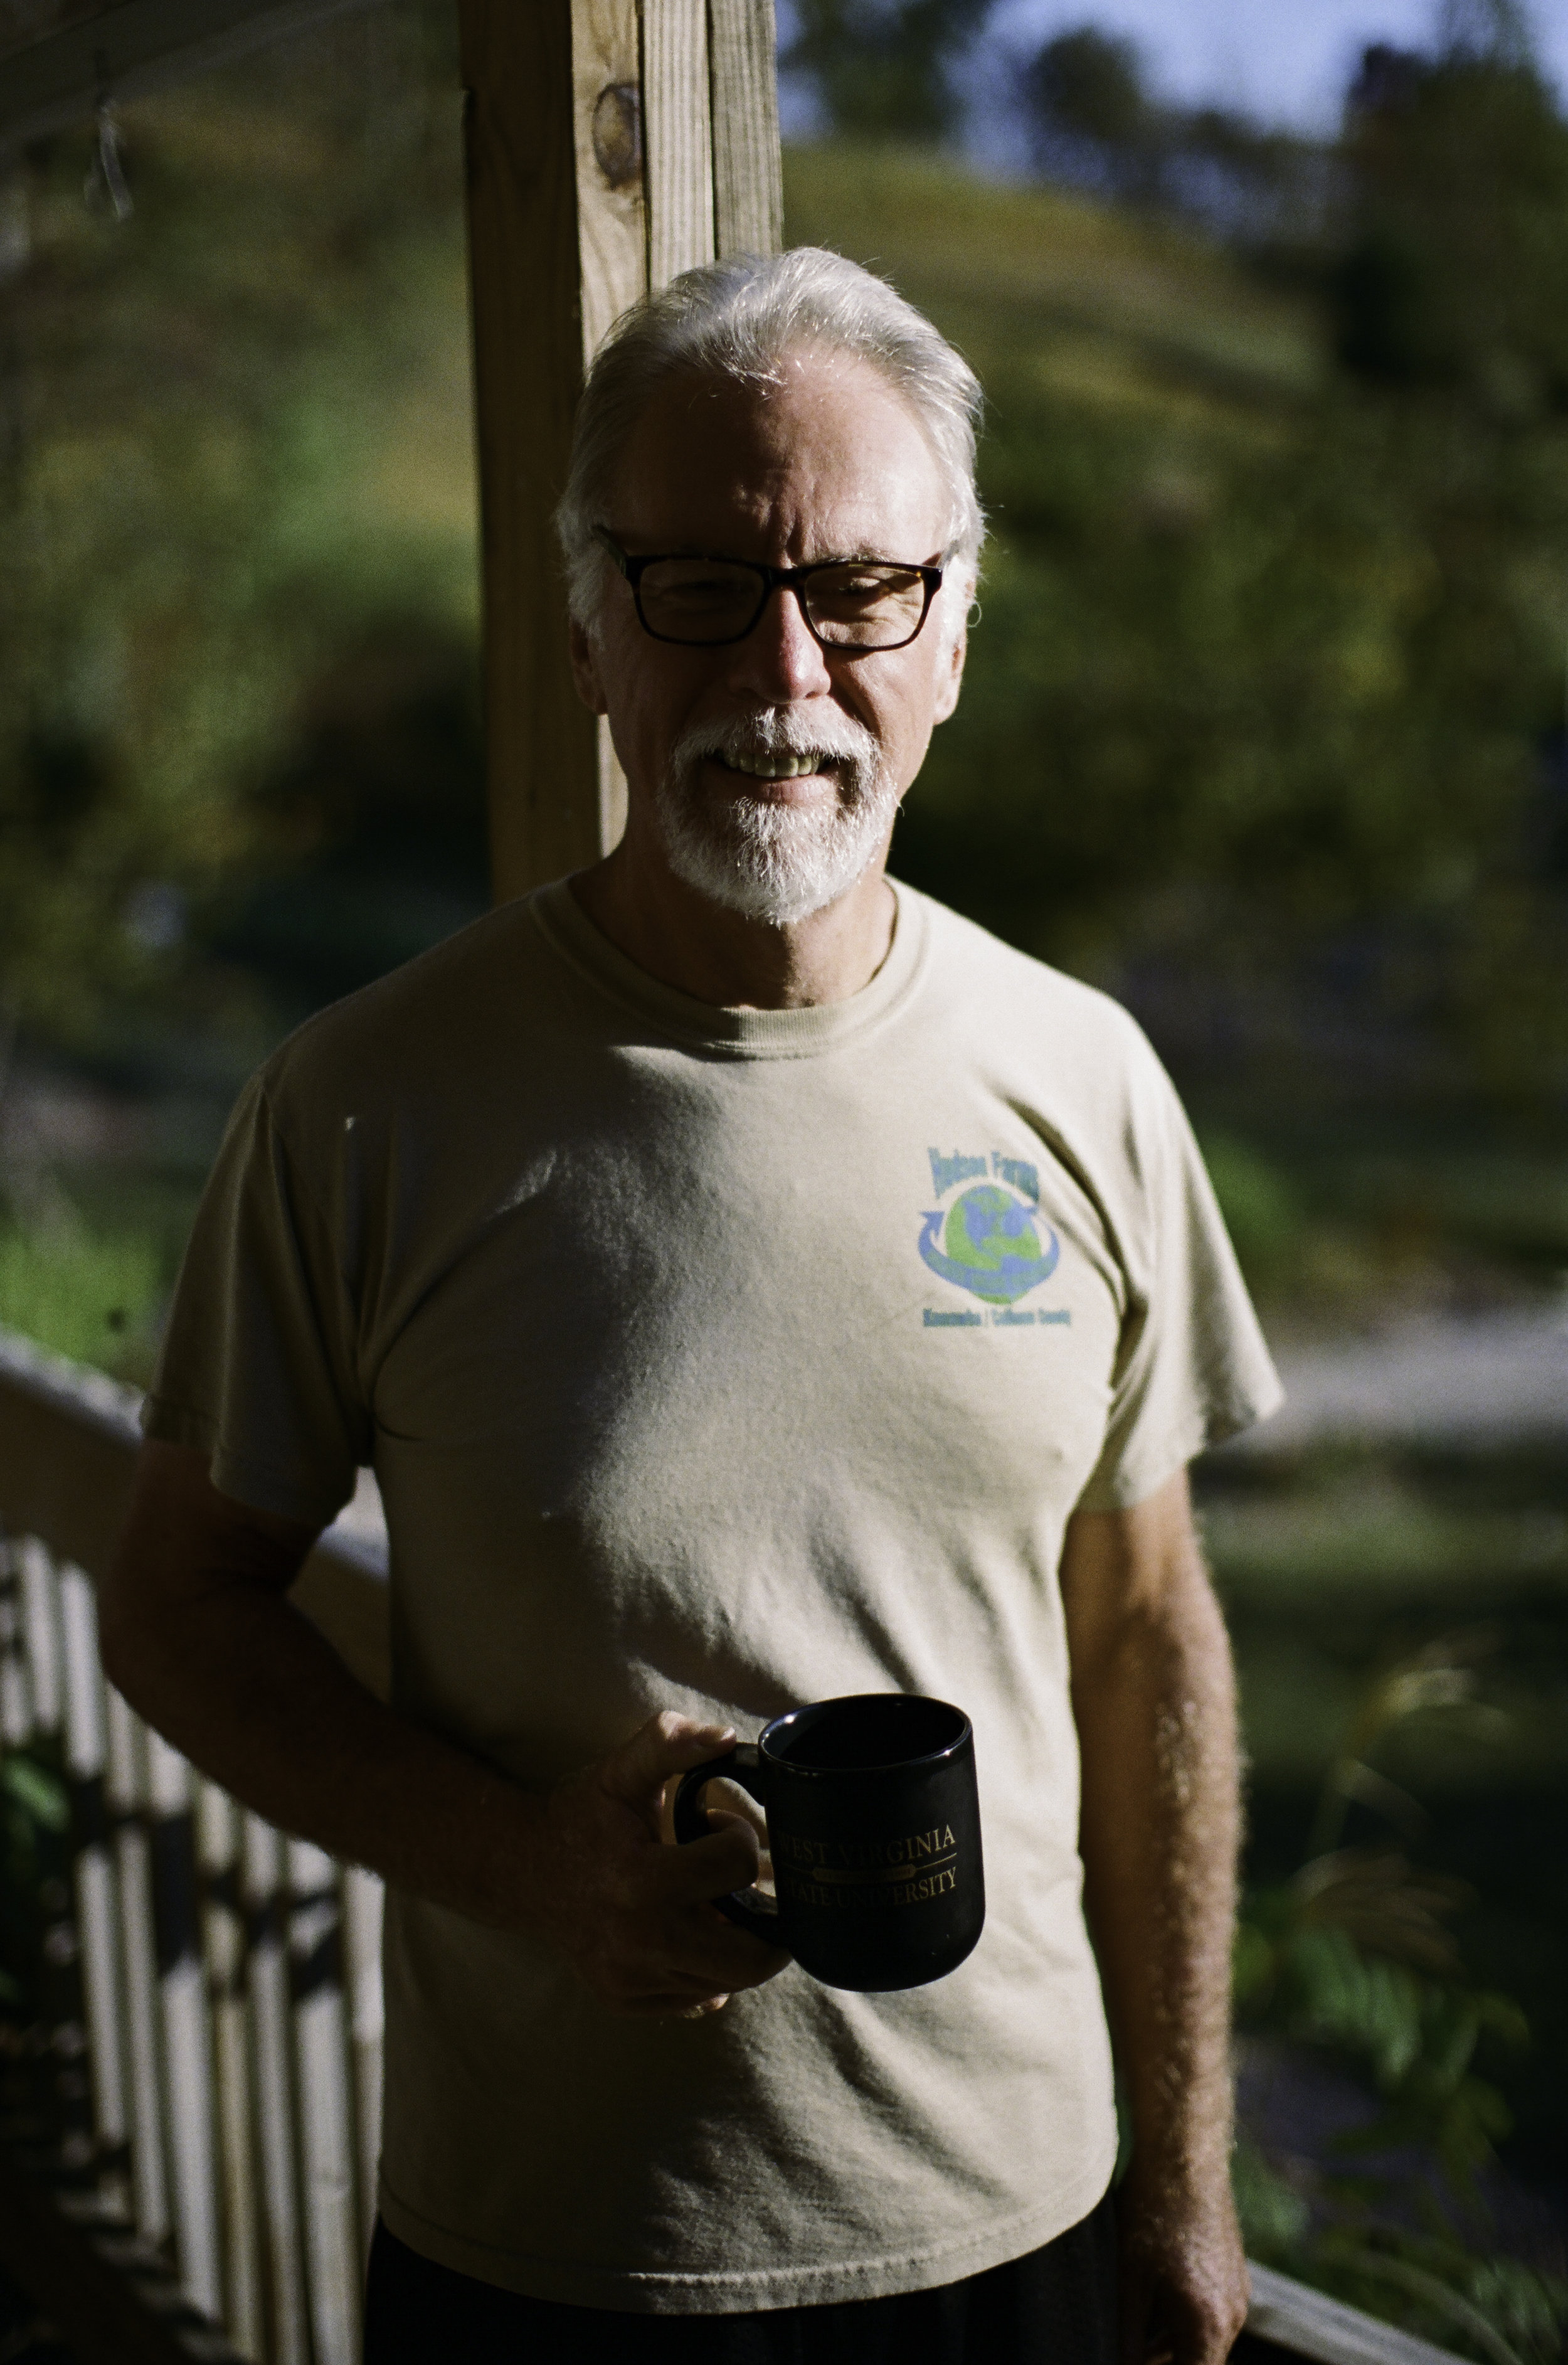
677, 109
612, 237
524, 276
610, 145
748, 181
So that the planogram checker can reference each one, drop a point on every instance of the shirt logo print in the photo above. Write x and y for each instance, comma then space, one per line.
988, 1240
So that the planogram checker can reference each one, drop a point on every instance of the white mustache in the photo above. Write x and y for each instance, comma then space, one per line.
784, 731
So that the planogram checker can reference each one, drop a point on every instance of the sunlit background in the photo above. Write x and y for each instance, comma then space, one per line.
1265, 730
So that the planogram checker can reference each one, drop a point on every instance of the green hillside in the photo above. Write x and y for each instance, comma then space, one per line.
1100, 305
1270, 647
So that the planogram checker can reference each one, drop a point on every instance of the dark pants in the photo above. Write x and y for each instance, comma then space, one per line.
1057, 2305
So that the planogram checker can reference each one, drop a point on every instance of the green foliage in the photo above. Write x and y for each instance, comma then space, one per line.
880, 68
240, 440
1091, 115
1159, 623
1266, 657
36, 1791
1331, 1982
34, 1817
1089, 83
1094, 121
1353, 1959
1269, 654
1455, 270
1262, 1212
1429, 2280
1483, 2305
92, 1297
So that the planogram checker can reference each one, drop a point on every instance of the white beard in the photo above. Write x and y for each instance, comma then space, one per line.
772, 861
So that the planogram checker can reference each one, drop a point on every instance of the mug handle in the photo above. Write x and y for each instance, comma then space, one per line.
747, 1907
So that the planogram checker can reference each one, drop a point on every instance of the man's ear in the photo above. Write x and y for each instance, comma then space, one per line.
950, 679
584, 668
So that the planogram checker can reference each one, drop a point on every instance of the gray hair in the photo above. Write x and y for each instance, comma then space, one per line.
739, 319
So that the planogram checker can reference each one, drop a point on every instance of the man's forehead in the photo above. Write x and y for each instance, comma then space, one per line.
829, 451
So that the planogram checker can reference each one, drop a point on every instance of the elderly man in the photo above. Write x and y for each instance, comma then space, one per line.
751, 1284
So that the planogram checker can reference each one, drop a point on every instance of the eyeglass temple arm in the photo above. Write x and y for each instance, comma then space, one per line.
612, 549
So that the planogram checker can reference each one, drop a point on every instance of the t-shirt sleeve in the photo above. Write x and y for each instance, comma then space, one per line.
1191, 1367
257, 1366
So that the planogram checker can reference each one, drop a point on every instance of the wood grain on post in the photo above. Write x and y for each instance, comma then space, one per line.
679, 135
748, 183
612, 220
542, 749
612, 235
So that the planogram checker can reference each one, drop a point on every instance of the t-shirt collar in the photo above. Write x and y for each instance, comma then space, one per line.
739, 1034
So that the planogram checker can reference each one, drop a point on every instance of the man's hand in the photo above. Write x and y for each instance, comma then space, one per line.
1183, 2281
631, 1914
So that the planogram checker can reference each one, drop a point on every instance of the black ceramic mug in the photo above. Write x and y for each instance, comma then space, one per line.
873, 1824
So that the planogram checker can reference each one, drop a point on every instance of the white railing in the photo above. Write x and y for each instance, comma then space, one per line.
214, 2015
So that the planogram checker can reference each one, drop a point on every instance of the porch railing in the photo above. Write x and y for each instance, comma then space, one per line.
188, 2144
202, 2097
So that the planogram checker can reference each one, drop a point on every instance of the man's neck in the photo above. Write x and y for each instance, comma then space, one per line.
683, 940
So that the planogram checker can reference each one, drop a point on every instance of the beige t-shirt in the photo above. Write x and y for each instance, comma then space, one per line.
721, 1361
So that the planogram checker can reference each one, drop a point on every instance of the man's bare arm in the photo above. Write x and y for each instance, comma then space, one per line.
199, 1634
1154, 1700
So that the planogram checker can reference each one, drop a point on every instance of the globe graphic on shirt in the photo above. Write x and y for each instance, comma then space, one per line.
989, 1244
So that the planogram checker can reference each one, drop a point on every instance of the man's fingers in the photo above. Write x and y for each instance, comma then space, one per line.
639, 1923
672, 2007
726, 1859
1181, 2310
666, 1745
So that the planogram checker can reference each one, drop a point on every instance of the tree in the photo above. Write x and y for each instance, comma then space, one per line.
1093, 120
1494, 30
883, 69
1084, 92
1455, 270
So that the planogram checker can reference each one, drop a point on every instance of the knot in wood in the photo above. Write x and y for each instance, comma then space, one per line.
617, 133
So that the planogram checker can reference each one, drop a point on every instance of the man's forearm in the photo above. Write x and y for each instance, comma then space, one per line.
198, 1633
1160, 1823
242, 1681
1160, 1843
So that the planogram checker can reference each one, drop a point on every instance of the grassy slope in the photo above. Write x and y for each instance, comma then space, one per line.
1102, 304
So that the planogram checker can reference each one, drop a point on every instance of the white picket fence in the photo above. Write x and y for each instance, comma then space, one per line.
217, 2057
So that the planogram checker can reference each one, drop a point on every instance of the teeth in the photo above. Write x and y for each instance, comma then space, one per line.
776, 767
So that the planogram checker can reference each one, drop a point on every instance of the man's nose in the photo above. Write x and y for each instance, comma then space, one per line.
779, 660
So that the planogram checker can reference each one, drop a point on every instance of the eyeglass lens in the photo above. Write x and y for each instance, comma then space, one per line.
706, 601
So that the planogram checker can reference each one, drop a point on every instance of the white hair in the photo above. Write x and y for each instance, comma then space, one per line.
740, 319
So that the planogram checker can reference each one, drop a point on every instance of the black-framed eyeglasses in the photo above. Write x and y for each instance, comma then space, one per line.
850, 605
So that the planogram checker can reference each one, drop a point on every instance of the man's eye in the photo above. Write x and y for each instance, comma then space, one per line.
696, 587
867, 582
702, 587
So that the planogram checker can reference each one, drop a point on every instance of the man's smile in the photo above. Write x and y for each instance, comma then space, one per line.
782, 766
